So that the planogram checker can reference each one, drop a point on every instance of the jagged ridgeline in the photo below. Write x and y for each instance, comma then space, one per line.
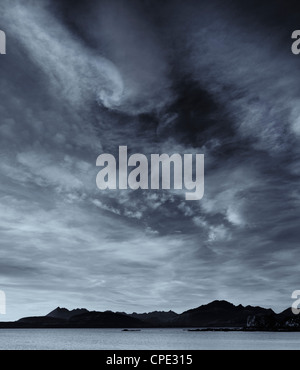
217, 315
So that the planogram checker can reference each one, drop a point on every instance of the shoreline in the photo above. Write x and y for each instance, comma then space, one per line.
125, 329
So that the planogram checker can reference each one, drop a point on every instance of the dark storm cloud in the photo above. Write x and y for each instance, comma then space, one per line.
81, 79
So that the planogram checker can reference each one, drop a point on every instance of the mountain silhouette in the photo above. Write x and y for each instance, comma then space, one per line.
220, 314
63, 313
216, 315
156, 318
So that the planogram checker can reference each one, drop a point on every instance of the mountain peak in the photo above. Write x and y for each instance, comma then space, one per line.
64, 313
214, 305
220, 303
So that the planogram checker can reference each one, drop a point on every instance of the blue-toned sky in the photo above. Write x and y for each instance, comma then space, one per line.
211, 77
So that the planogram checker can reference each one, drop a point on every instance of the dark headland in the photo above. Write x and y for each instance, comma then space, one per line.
217, 315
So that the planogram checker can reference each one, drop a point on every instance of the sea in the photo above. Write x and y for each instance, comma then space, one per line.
145, 339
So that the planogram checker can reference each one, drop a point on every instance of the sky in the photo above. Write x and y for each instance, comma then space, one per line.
191, 77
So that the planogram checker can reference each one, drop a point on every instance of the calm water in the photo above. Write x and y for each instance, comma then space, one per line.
152, 339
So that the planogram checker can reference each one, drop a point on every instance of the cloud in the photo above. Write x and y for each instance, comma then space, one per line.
72, 70
124, 31
247, 69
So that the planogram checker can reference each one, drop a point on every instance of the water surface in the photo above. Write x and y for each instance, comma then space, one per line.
146, 339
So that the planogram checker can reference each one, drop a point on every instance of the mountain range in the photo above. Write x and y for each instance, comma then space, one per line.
217, 315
